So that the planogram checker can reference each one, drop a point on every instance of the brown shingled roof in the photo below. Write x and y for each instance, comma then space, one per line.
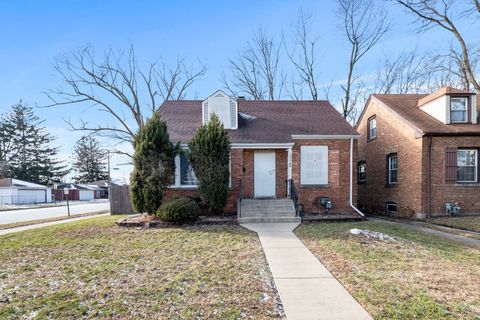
406, 106
275, 121
5, 182
441, 92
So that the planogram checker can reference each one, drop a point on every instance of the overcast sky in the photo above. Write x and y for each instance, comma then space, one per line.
32, 33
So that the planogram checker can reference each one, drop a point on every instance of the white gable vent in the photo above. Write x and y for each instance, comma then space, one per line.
224, 107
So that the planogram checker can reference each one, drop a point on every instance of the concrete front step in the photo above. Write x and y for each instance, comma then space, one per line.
268, 211
247, 213
269, 220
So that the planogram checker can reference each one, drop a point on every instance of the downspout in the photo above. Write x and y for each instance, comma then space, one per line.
429, 177
351, 180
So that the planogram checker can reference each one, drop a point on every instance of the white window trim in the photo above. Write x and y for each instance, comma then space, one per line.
390, 157
178, 185
476, 166
370, 136
466, 109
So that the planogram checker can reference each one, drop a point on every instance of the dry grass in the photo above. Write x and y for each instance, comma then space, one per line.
465, 223
94, 269
419, 276
32, 222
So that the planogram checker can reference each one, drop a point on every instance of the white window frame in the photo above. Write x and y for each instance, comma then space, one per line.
465, 100
390, 169
305, 178
470, 166
178, 177
370, 129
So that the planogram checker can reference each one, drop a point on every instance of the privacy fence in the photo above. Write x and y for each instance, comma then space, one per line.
120, 200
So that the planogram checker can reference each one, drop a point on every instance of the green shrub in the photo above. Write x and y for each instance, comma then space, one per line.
209, 153
179, 210
154, 165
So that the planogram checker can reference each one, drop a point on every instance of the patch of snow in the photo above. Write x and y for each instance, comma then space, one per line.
372, 234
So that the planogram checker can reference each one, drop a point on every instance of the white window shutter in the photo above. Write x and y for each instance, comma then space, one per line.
314, 165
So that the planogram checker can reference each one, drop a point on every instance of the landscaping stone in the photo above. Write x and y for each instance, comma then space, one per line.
372, 234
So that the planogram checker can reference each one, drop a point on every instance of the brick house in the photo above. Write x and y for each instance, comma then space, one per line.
272, 143
418, 153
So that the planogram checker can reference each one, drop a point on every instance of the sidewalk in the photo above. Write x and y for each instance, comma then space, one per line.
443, 234
307, 289
46, 224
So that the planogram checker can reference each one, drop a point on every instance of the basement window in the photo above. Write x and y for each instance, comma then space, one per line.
391, 207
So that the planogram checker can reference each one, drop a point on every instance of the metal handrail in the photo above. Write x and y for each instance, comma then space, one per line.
240, 198
293, 195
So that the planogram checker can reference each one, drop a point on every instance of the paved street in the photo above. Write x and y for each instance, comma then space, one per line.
13, 216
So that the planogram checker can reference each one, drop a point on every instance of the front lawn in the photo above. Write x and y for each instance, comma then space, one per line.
418, 276
465, 223
94, 269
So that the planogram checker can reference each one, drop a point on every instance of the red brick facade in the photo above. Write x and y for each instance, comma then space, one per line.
411, 193
242, 167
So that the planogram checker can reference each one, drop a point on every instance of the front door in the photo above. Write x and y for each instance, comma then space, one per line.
264, 174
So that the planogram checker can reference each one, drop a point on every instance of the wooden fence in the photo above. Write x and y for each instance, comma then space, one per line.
120, 200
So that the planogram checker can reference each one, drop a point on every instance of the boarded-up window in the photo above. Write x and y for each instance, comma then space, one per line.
314, 165
451, 165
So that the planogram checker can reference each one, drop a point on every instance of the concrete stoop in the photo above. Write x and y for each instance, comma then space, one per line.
268, 211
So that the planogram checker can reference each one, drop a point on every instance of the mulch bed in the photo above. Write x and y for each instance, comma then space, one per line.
150, 221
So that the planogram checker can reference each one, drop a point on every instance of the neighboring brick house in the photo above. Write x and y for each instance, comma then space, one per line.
418, 152
272, 142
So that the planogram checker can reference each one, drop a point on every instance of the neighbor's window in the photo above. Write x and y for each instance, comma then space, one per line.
458, 109
467, 165
392, 162
187, 176
372, 128
314, 165
362, 173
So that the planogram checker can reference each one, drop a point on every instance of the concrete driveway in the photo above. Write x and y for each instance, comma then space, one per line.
13, 216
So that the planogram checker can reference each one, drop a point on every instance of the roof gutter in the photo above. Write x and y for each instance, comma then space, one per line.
324, 136
351, 181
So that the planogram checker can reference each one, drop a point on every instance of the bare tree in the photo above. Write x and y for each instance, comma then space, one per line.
118, 86
405, 73
256, 71
363, 24
445, 14
303, 56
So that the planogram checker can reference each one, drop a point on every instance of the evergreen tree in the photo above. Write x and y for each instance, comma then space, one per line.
210, 156
89, 160
154, 165
32, 158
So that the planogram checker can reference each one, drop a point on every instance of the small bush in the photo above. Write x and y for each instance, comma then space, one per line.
179, 210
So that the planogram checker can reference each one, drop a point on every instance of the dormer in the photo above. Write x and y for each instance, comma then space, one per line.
223, 106
450, 106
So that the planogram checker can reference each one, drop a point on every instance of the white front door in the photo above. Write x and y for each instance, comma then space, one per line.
264, 174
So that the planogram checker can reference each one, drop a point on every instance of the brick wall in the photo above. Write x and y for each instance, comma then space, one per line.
394, 135
337, 190
338, 176
467, 195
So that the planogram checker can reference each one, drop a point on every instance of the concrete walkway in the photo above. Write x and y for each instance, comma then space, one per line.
443, 234
307, 289
46, 224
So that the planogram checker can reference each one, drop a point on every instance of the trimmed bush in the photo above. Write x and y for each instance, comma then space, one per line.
179, 210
